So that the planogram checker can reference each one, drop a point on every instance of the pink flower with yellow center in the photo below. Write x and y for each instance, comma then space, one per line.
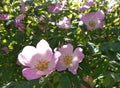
93, 20
4, 17
69, 59
38, 61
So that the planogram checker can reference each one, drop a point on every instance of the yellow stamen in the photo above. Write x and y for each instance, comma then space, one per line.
92, 23
42, 65
67, 60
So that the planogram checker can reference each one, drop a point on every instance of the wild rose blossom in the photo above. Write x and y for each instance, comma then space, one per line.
38, 61
57, 7
69, 59
4, 17
93, 20
86, 5
65, 23
18, 22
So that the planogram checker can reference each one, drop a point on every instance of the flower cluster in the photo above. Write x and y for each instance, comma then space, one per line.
92, 20
42, 61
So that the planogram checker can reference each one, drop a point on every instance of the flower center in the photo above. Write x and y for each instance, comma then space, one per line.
42, 65
67, 60
92, 23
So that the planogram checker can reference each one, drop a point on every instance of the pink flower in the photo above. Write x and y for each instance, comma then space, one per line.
69, 60
5, 49
23, 9
4, 17
38, 61
65, 23
55, 8
93, 20
18, 22
86, 5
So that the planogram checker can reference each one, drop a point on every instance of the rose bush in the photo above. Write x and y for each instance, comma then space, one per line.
60, 44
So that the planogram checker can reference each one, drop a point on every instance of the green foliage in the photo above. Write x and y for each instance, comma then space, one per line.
101, 46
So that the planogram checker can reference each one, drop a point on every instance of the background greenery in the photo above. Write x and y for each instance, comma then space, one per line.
101, 47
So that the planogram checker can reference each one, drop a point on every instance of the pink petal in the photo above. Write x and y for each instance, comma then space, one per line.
87, 17
78, 55
73, 68
77, 58
30, 74
18, 22
54, 60
64, 23
55, 8
81, 9
19, 18
60, 66
4, 17
23, 9
20, 26
43, 47
100, 14
66, 49
26, 55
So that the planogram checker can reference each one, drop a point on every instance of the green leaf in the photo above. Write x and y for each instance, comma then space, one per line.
64, 82
108, 82
110, 46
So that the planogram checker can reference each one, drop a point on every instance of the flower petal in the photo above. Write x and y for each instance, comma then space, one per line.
66, 49
73, 68
23, 9
60, 66
43, 47
26, 55
30, 74
4, 17
54, 60
78, 55
100, 14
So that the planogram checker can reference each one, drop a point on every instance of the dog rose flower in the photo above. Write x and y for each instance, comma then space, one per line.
93, 20
38, 61
69, 59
